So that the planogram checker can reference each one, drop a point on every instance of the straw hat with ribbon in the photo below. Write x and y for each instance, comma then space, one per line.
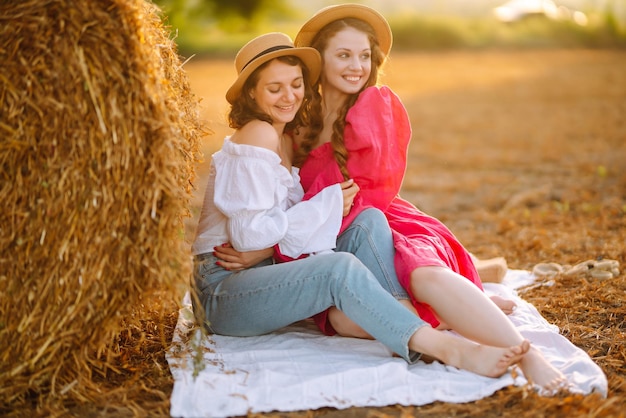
265, 48
341, 11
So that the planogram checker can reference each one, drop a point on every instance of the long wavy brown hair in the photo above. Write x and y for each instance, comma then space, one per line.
244, 109
320, 42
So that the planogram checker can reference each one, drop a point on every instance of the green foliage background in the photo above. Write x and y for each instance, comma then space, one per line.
220, 27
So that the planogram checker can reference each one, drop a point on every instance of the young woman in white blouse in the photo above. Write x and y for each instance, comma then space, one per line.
253, 203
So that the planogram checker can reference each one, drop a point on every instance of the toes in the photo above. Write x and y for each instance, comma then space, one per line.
522, 348
553, 388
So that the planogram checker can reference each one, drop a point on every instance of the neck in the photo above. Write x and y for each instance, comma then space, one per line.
332, 100
280, 128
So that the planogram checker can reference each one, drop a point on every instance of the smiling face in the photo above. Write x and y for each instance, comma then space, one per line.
279, 91
347, 61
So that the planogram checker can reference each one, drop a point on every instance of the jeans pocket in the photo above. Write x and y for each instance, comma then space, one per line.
207, 274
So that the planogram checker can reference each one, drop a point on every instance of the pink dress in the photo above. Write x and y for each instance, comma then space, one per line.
377, 136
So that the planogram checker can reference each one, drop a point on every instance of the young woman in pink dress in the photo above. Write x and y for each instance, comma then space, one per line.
363, 135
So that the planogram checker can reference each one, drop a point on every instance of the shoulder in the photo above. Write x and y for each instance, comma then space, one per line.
378, 94
257, 133
380, 101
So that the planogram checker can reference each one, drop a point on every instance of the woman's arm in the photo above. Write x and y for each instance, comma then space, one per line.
231, 259
252, 189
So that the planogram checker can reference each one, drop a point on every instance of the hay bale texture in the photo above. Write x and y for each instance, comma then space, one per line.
99, 134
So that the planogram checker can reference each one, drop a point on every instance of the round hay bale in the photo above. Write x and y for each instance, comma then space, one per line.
99, 132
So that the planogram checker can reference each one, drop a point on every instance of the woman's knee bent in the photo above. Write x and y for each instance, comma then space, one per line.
372, 219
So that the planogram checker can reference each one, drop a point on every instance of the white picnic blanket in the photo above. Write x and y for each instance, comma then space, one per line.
298, 368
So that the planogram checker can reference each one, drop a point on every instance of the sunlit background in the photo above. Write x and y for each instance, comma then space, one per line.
211, 27
473, 66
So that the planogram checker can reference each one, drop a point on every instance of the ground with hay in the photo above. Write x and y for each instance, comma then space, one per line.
521, 153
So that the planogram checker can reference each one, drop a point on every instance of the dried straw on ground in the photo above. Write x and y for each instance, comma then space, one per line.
98, 135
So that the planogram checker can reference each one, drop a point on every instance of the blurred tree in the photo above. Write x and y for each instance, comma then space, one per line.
244, 8
231, 15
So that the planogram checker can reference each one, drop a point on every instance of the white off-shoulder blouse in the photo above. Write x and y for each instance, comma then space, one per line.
254, 202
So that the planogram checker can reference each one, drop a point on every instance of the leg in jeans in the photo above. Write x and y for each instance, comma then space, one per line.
263, 299
369, 238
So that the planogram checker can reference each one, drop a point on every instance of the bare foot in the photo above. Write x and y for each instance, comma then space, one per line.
539, 372
491, 270
506, 305
488, 360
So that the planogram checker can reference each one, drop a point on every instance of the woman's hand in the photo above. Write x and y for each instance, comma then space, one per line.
349, 189
232, 259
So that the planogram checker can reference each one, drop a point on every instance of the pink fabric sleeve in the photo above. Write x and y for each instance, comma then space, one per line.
377, 137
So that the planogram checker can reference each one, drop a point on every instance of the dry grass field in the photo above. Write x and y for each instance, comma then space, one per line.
523, 154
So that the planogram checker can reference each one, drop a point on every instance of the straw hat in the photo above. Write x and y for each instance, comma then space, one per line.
265, 48
341, 11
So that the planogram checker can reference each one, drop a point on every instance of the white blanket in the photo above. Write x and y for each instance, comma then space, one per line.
298, 368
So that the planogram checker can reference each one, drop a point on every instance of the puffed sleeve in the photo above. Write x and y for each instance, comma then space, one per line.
253, 193
377, 136
314, 224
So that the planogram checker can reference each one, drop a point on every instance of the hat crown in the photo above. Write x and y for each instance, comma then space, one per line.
260, 46
329, 14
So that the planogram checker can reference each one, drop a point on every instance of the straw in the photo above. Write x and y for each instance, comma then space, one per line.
99, 133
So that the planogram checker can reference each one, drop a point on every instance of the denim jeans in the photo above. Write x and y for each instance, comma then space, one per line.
270, 296
369, 238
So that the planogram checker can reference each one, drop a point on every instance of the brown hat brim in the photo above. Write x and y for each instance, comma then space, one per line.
358, 11
309, 56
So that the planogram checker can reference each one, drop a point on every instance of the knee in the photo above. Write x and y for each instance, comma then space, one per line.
348, 272
373, 223
371, 218
428, 276
345, 263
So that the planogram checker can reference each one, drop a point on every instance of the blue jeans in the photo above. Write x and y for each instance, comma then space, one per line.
270, 296
369, 238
